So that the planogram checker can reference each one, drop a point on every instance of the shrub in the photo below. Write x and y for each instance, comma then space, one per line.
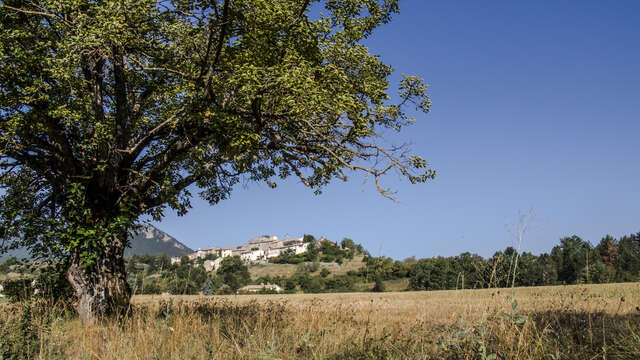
17, 289
379, 286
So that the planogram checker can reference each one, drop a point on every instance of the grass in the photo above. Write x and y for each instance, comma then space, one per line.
11, 275
259, 270
564, 322
390, 285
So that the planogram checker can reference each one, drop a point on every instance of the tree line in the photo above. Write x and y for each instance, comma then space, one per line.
573, 261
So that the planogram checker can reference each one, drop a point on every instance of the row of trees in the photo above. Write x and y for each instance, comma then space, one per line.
573, 261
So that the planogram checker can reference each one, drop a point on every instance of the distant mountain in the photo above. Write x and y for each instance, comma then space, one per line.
152, 241
149, 241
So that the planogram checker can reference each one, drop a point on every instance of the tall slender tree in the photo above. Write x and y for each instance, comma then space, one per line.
110, 110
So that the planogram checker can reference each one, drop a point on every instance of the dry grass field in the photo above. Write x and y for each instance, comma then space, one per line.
563, 322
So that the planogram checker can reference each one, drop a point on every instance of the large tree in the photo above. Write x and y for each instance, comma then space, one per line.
115, 110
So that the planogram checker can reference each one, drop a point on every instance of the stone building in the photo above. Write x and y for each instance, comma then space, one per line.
258, 249
250, 256
264, 243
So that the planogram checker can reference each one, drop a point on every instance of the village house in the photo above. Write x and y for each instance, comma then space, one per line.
237, 251
275, 252
252, 255
299, 248
200, 253
264, 243
257, 249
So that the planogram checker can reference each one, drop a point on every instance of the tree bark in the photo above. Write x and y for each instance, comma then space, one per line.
101, 289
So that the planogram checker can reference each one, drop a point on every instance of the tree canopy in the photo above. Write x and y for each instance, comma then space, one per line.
110, 110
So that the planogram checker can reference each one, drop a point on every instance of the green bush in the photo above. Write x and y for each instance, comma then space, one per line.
379, 286
50, 284
17, 289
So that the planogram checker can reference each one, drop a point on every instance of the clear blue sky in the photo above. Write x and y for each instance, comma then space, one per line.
535, 105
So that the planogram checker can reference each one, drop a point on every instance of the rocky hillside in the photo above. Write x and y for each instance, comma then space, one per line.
148, 241
152, 241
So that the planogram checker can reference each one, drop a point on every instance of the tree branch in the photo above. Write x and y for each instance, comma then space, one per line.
121, 99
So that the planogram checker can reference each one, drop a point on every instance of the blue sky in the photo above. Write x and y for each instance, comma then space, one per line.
535, 105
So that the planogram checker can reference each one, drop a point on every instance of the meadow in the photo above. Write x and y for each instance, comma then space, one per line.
560, 322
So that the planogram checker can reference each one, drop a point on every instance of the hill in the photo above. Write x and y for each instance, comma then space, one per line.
152, 241
148, 241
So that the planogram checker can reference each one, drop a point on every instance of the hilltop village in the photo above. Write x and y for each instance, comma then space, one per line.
255, 251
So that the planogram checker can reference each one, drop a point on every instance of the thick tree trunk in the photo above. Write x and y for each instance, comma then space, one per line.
101, 289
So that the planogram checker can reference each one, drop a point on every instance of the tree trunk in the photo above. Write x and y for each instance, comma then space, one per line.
101, 288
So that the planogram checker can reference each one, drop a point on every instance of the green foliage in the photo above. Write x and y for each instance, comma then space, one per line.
209, 257
17, 290
421, 275
148, 274
290, 258
331, 252
347, 243
322, 250
207, 288
379, 285
43, 282
305, 282
627, 265
514, 317
574, 261
473, 338
6, 265
233, 272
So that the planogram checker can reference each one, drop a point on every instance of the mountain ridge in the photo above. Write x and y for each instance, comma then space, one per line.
149, 240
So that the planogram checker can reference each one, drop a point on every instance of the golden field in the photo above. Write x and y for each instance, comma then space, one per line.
562, 322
